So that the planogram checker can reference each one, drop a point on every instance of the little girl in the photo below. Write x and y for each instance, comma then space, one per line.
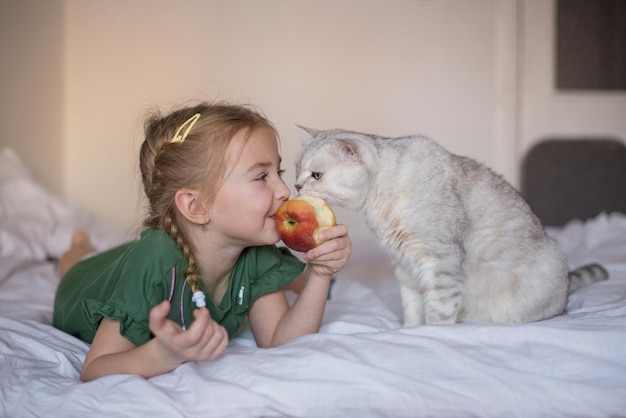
207, 259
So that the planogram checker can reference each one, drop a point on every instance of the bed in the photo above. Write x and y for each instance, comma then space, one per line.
362, 363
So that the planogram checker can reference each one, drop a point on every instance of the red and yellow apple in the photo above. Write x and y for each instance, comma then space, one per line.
300, 220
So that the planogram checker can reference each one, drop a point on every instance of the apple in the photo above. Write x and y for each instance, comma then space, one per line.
300, 220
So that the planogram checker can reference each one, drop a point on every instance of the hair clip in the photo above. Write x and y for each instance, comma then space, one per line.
180, 138
199, 299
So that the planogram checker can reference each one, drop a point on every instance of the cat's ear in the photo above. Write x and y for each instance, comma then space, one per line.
349, 151
306, 134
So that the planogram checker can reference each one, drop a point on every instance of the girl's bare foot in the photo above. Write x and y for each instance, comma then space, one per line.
80, 247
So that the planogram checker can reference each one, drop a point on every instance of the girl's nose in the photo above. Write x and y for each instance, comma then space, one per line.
283, 192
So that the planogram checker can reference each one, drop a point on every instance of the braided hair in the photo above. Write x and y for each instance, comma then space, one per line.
198, 162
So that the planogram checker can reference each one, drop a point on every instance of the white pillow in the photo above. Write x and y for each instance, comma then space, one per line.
11, 167
37, 224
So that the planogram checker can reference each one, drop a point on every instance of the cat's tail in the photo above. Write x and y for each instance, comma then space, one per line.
585, 275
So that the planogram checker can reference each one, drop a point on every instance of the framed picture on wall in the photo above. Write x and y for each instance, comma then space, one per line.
591, 44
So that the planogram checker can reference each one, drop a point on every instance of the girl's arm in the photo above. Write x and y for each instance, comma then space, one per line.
112, 353
273, 322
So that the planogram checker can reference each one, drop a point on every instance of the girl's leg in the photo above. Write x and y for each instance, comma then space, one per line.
80, 247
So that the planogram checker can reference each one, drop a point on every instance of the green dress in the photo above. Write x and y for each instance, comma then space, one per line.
124, 283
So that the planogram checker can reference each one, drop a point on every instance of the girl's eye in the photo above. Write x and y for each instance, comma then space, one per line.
281, 172
262, 177
316, 175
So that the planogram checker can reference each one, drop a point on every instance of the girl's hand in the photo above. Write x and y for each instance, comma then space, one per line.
112, 353
333, 254
204, 340
274, 321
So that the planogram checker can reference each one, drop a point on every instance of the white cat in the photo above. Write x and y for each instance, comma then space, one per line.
465, 244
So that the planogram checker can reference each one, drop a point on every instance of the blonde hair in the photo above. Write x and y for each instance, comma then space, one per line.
199, 162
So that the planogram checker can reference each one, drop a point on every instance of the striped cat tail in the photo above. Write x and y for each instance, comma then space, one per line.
586, 275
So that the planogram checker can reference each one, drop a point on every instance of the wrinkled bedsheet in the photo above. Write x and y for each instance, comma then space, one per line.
362, 363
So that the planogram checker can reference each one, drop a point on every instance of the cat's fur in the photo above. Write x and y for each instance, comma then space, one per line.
466, 245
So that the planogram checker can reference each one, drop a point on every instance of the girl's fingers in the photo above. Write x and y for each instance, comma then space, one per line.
205, 339
158, 317
202, 327
333, 232
333, 249
216, 344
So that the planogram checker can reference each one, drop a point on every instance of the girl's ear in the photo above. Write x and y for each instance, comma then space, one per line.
189, 205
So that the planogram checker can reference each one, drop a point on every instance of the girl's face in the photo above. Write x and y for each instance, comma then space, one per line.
244, 206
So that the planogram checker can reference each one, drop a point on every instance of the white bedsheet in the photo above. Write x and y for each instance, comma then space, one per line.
361, 364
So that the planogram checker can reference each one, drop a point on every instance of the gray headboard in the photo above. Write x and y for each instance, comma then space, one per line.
565, 179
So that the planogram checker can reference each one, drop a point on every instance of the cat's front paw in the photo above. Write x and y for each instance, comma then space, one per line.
412, 322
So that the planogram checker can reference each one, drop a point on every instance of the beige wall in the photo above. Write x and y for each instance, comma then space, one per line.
548, 112
31, 86
390, 68
475, 75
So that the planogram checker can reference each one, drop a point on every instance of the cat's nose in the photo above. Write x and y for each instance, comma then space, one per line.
298, 187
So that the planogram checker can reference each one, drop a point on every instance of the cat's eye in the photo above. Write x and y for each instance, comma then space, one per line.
316, 175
